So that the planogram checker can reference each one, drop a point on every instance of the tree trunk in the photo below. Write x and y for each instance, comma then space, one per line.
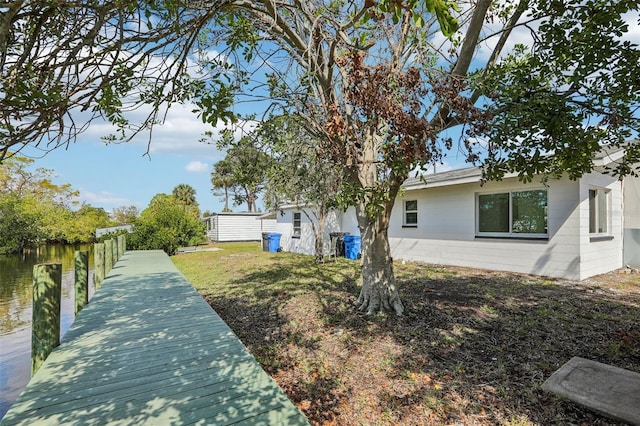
250, 201
379, 291
319, 231
320, 214
226, 199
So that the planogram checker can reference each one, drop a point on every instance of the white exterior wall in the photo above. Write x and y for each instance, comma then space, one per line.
631, 222
268, 225
305, 244
632, 203
211, 223
446, 231
239, 227
349, 222
600, 256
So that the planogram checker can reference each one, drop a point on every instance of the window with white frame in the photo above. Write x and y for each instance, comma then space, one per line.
512, 214
297, 224
598, 211
411, 213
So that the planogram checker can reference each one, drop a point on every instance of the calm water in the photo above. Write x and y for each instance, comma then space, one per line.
16, 289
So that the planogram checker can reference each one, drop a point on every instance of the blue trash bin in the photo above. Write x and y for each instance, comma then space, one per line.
274, 242
352, 246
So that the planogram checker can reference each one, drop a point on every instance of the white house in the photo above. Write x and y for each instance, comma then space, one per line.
566, 229
229, 226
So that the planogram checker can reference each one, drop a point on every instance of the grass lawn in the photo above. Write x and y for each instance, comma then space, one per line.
473, 348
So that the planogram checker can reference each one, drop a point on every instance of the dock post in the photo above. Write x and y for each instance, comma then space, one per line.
81, 279
122, 244
114, 247
116, 250
108, 256
47, 292
99, 264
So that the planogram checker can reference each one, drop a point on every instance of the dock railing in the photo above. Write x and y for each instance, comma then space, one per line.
47, 294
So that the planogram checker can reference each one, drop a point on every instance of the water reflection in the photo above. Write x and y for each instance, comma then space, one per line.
16, 290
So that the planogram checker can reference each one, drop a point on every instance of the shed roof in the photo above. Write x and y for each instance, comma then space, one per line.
251, 214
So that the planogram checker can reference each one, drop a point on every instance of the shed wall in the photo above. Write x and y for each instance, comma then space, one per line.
226, 228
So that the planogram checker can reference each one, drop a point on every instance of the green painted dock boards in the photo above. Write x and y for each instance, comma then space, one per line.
149, 350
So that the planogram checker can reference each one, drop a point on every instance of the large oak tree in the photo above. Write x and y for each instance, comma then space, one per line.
383, 91
375, 82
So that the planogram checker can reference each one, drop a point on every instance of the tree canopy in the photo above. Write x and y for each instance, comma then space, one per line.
125, 215
572, 91
243, 172
298, 176
185, 194
65, 64
222, 181
34, 209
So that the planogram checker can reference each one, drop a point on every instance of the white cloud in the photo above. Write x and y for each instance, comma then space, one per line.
632, 19
180, 133
432, 168
197, 167
103, 199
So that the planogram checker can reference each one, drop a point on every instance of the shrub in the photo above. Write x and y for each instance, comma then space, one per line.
166, 225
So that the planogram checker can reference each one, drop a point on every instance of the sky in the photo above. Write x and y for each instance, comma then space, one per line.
114, 175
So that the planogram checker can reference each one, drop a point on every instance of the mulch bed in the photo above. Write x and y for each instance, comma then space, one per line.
473, 348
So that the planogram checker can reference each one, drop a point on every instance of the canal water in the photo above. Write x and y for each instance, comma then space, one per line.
16, 292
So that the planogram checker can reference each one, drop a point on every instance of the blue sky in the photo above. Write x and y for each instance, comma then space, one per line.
114, 175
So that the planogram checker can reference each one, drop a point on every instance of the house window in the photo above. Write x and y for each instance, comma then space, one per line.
598, 211
297, 225
515, 213
411, 213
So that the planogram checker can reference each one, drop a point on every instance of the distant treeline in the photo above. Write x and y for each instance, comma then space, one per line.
34, 210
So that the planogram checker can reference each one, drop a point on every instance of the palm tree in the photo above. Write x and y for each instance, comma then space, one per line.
185, 194
222, 179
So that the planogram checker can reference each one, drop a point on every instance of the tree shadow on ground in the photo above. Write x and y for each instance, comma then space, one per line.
473, 348
492, 339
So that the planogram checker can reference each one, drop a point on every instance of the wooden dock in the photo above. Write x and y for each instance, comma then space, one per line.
149, 350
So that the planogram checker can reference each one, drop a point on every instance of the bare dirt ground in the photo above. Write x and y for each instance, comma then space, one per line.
473, 348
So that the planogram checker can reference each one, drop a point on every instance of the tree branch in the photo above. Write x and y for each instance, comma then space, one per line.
460, 69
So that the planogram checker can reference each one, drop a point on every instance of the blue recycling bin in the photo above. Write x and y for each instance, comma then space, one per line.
274, 242
352, 246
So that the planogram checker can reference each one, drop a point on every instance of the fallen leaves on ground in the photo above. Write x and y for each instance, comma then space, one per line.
473, 348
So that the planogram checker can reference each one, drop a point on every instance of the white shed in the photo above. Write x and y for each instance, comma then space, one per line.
230, 226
